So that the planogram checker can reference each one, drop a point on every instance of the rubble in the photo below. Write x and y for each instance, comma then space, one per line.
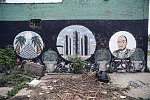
85, 87
34, 82
33, 67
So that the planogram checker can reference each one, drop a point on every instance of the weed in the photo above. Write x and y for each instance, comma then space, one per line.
30, 87
109, 96
128, 88
13, 78
116, 89
28, 73
108, 88
78, 63
55, 90
7, 58
16, 89
3, 98
148, 53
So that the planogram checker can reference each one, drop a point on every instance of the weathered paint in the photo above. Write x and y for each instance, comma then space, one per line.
103, 18
102, 30
77, 10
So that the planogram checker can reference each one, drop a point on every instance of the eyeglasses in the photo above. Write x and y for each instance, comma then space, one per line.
124, 41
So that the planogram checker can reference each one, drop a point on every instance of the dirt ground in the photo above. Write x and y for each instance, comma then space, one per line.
74, 87
128, 86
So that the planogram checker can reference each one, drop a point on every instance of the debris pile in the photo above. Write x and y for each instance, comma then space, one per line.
86, 87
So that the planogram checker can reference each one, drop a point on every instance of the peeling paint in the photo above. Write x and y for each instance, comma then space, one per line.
78, 9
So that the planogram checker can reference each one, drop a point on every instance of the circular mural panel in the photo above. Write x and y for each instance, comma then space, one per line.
122, 44
76, 40
28, 44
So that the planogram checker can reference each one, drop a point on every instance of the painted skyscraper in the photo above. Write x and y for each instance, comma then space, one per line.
67, 45
77, 45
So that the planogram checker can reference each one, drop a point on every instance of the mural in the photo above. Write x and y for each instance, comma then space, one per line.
28, 44
128, 58
122, 44
76, 40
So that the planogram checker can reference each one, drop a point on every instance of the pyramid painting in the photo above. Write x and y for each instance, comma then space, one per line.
28, 44
28, 52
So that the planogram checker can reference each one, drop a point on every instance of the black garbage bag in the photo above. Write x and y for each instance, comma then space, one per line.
102, 76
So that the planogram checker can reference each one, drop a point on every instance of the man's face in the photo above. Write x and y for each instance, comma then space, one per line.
122, 43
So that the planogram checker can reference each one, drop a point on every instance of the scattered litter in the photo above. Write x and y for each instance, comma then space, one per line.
29, 96
135, 85
51, 88
114, 98
34, 82
104, 92
54, 81
65, 91
123, 97
41, 93
84, 87
44, 87
48, 92
45, 74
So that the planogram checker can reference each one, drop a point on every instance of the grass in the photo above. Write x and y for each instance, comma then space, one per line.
55, 91
108, 88
13, 79
116, 89
142, 99
16, 89
3, 98
128, 88
9, 79
109, 96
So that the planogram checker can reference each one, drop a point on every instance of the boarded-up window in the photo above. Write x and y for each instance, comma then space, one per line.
35, 23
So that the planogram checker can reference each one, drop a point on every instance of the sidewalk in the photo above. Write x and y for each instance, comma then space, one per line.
139, 83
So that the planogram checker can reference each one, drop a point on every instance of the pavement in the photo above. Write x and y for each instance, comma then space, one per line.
139, 83
4, 90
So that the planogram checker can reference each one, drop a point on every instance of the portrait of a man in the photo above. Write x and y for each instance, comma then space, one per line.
123, 51
122, 44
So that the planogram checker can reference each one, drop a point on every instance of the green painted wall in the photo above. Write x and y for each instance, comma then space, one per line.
77, 9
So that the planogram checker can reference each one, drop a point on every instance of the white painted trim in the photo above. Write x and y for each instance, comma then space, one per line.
149, 20
34, 1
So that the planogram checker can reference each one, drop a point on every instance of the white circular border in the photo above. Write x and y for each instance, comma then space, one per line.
113, 41
23, 34
80, 28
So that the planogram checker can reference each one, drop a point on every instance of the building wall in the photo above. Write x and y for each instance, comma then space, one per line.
102, 17
148, 45
76, 10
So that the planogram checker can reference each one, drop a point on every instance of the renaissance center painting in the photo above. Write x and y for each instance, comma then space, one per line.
76, 40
